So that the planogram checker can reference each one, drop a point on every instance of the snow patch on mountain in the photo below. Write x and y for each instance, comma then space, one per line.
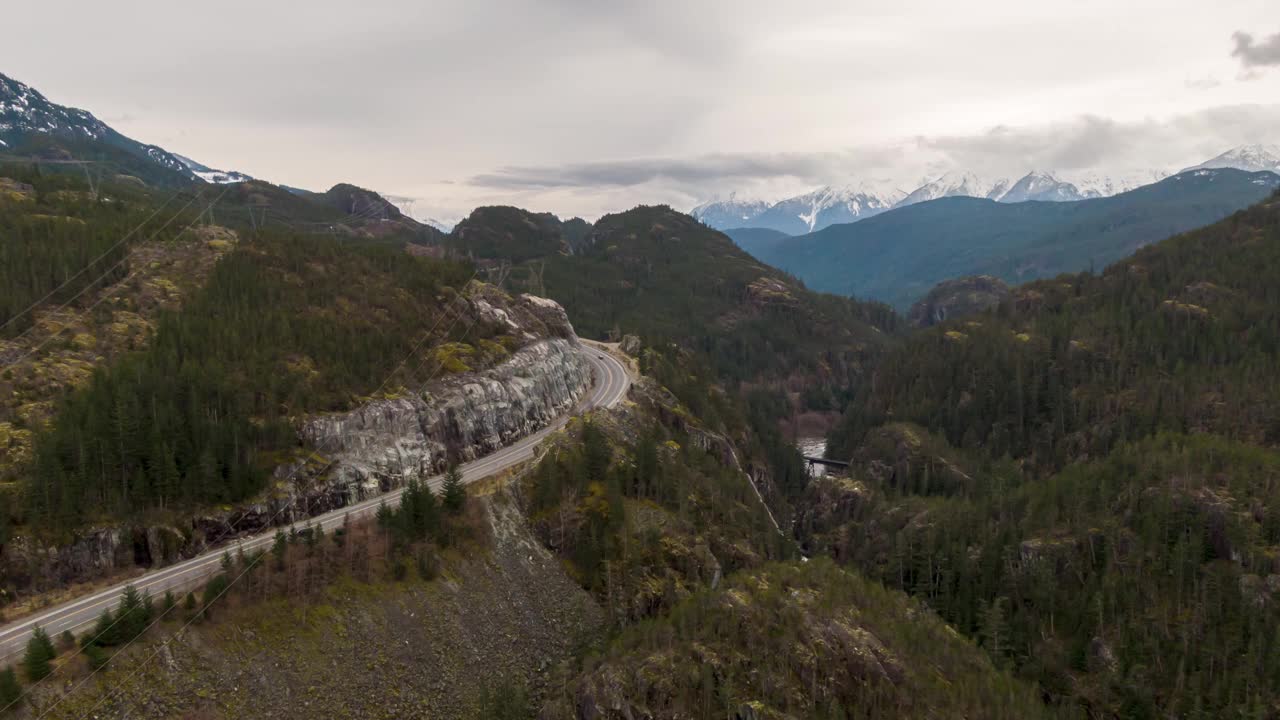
732, 212
212, 175
1250, 158
957, 183
830, 205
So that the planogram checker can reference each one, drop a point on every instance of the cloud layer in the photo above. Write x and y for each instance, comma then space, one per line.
1086, 144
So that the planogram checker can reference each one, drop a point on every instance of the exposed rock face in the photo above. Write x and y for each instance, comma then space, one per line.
373, 449
28, 563
387, 442
958, 298
630, 345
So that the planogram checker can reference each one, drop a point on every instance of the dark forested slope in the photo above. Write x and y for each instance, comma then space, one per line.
1086, 480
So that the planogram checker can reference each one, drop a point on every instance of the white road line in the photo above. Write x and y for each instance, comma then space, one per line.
611, 385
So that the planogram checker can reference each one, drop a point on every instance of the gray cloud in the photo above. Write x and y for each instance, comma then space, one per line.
1256, 54
1092, 142
1089, 143
712, 169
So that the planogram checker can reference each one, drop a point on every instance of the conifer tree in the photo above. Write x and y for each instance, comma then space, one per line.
40, 653
455, 493
10, 690
279, 548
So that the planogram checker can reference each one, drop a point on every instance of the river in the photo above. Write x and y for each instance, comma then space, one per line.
813, 447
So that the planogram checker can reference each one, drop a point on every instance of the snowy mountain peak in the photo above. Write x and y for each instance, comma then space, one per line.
729, 213
1250, 158
25, 109
25, 113
811, 211
832, 204
1042, 186
957, 183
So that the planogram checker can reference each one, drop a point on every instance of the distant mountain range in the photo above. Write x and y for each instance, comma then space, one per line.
834, 205
899, 255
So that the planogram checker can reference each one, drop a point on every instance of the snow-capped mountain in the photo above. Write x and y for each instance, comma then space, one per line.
957, 183
1250, 158
1038, 185
32, 125
730, 213
212, 175
826, 206
803, 213
1094, 184
832, 205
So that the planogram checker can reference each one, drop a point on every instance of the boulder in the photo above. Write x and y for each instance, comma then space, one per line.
630, 345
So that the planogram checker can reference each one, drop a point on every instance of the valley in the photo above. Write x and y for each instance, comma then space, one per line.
990, 428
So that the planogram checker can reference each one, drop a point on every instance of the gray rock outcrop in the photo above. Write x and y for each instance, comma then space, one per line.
957, 298
388, 442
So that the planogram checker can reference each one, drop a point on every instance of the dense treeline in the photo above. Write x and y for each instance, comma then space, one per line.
286, 324
1081, 480
1184, 336
1139, 586
58, 236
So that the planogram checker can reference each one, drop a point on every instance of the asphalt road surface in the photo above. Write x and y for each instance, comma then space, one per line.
611, 383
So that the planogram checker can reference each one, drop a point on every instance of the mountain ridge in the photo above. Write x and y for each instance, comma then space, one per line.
837, 204
898, 256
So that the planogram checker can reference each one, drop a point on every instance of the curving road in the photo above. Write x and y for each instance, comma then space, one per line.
611, 384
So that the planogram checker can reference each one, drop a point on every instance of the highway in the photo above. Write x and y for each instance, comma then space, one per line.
611, 382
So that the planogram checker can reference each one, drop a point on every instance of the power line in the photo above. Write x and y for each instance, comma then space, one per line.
42, 344
271, 522
93, 262
106, 294
252, 562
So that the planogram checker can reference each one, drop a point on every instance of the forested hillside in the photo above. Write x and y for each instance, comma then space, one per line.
285, 325
742, 345
60, 239
155, 364
1085, 479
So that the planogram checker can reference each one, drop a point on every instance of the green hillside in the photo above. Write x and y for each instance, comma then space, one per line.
898, 256
744, 346
1085, 479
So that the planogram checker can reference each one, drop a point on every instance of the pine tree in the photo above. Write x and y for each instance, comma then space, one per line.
10, 690
40, 653
105, 631
96, 656
455, 493
279, 548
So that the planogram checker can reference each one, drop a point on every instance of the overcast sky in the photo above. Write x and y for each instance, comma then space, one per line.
584, 106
